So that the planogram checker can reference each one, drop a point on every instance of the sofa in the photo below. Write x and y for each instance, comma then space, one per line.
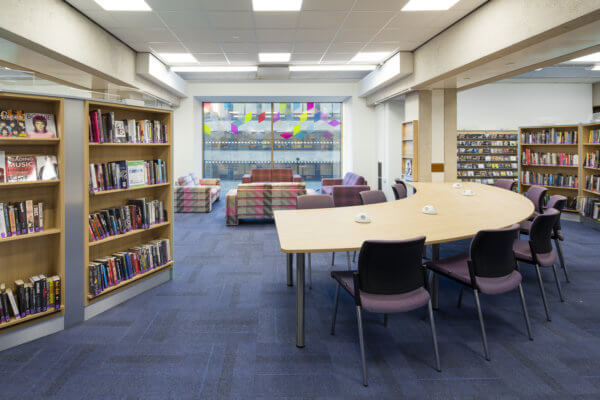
194, 195
258, 201
345, 191
271, 175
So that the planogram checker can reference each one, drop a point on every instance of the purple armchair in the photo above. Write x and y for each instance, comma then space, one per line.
350, 179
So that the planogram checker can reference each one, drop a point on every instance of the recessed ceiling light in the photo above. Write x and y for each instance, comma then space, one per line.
276, 5
177, 58
124, 5
538, 69
274, 57
370, 56
429, 5
596, 68
590, 58
306, 68
215, 69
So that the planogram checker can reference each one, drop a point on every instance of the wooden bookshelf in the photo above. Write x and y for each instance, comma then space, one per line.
486, 155
94, 201
410, 150
24, 256
586, 171
549, 146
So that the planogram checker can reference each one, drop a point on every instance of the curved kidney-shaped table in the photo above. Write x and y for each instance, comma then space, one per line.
335, 230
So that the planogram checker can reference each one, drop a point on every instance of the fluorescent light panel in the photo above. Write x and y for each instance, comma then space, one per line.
177, 58
124, 5
590, 58
429, 5
274, 57
215, 69
309, 68
596, 68
276, 5
370, 56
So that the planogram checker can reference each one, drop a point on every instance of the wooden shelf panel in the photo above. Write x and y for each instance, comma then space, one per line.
128, 234
31, 317
549, 144
9, 185
46, 232
592, 168
591, 192
106, 192
550, 187
19, 141
126, 283
550, 165
92, 145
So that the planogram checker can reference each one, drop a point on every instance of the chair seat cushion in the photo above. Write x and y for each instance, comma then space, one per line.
455, 267
327, 190
383, 303
523, 253
499, 285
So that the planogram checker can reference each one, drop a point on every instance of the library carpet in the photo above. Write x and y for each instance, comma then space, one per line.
224, 328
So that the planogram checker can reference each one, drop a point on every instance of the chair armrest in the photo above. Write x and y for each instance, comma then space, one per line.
331, 182
209, 182
246, 178
296, 178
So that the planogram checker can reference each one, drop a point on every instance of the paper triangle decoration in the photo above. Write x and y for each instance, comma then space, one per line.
327, 135
234, 129
248, 117
206, 129
286, 135
334, 122
282, 107
310, 106
303, 117
261, 117
317, 116
300, 135
296, 129
276, 117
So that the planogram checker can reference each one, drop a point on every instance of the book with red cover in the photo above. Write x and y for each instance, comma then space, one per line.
21, 168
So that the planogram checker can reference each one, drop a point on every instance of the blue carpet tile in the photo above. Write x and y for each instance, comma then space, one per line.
224, 328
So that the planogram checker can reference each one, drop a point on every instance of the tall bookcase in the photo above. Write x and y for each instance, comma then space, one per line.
486, 155
410, 150
589, 146
94, 201
548, 168
42, 252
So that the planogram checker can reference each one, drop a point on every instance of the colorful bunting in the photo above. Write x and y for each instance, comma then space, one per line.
334, 122
310, 106
317, 116
303, 117
286, 135
297, 106
261, 117
206, 129
296, 129
300, 135
276, 117
282, 107
248, 117
234, 129
327, 135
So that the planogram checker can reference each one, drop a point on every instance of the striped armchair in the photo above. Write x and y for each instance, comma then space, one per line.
194, 195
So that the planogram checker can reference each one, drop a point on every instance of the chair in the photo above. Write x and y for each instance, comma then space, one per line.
489, 268
538, 250
345, 196
372, 197
557, 202
312, 201
390, 279
400, 191
536, 194
350, 179
507, 184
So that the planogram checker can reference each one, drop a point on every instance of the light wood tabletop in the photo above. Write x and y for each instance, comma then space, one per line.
459, 217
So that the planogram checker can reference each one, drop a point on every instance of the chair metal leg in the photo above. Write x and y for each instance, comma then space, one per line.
434, 336
483, 336
309, 272
525, 313
290, 269
335, 307
557, 283
349, 262
362, 346
385, 320
354, 257
435, 286
300, 303
332, 259
541, 283
562, 259
460, 294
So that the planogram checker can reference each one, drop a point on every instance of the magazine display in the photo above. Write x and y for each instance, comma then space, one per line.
27, 168
40, 125
12, 123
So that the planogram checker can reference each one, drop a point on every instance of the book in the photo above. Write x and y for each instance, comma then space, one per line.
13, 303
136, 173
40, 125
12, 123
120, 132
2, 167
21, 168
47, 168
29, 211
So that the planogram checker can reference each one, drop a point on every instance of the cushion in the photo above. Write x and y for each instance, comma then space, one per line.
353, 179
327, 190
260, 175
281, 175
523, 253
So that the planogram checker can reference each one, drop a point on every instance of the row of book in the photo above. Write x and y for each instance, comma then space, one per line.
38, 295
540, 158
487, 174
590, 207
499, 150
549, 136
592, 160
27, 168
490, 136
487, 158
496, 143
121, 266
126, 174
533, 178
487, 166
594, 136
571, 202
592, 183
137, 214
16, 123
104, 128
21, 218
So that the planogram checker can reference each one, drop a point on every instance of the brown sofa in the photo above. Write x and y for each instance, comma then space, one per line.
271, 175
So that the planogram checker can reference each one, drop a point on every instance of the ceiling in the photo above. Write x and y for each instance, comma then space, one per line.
228, 32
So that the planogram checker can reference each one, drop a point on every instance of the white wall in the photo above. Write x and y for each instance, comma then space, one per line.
359, 142
508, 106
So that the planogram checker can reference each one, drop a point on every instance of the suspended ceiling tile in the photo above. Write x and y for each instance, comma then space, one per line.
185, 20
332, 58
306, 58
346, 47
239, 47
355, 35
315, 35
275, 35
225, 5
167, 47
368, 19
310, 47
230, 20
321, 19
172, 5
282, 47
243, 58
379, 5
276, 20
204, 58
235, 35
327, 5
202, 47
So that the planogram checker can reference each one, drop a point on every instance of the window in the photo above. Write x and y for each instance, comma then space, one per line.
306, 137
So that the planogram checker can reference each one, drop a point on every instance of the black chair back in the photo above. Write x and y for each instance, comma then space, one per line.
311, 201
507, 184
372, 197
491, 254
400, 191
536, 194
557, 202
540, 234
391, 267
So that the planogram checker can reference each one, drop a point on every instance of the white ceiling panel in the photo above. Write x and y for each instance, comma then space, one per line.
321, 19
383, 46
230, 20
282, 47
241, 47
275, 35
346, 47
184, 20
174, 5
379, 5
210, 58
142, 20
143, 35
333, 58
368, 19
315, 35
310, 47
243, 58
355, 35
203, 47
167, 47
306, 58
327, 5
234, 35
224, 5
276, 20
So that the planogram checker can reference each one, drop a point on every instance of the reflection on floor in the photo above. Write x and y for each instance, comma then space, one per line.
224, 328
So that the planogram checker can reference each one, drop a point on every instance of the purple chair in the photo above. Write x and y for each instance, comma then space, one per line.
345, 196
489, 268
350, 179
538, 250
400, 191
390, 279
536, 194
312, 201
372, 197
507, 184
557, 202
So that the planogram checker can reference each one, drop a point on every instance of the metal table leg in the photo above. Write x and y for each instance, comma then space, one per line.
435, 286
300, 300
290, 269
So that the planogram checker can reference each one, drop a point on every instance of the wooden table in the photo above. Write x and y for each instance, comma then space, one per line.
334, 229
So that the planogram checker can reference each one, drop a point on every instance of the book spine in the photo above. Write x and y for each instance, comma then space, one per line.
29, 210
41, 212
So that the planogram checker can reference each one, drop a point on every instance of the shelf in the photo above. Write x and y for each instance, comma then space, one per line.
29, 183
591, 144
488, 146
30, 317
592, 168
105, 192
47, 232
129, 144
122, 284
488, 177
550, 165
591, 192
548, 144
130, 233
408, 140
486, 169
549, 186
19, 141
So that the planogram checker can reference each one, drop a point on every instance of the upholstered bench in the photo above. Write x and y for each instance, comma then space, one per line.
192, 195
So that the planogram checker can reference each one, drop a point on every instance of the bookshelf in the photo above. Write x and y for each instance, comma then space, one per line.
551, 150
94, 201
410, 150
43, 252
590, 167
486, 155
